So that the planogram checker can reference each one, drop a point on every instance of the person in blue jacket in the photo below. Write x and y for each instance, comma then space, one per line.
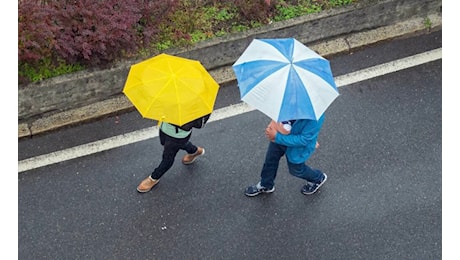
297, 140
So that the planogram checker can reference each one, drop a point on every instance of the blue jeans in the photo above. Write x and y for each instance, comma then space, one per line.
171, 148
272, 159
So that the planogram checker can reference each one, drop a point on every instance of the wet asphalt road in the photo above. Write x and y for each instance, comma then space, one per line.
380, 146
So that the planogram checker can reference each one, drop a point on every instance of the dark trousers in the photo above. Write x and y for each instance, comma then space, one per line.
171, 147
272, 159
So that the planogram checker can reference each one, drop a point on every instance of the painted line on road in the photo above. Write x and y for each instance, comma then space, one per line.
218, 114
389, 67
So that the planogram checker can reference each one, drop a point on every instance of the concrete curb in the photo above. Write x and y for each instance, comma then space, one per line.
120, 104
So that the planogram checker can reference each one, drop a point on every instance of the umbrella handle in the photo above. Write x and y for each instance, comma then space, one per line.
160, 121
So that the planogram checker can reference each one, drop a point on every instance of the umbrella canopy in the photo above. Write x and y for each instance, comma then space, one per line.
284, 79
171, 89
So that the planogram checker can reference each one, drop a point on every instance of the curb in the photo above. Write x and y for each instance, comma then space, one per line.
120, 104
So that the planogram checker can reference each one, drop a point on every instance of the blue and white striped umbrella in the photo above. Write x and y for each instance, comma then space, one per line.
284, 79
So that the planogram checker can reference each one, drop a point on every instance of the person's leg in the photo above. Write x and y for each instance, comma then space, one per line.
314, 177
304, 171
271, 163
268, 173
170, 149
189, 147
193, 152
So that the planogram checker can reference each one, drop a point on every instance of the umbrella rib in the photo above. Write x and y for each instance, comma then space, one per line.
191, 90
176, 89
158, 94
179, 105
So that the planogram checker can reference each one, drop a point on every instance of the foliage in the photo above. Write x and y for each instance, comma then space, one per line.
290, 9
36, 32
61, 36
46, 69
86, 32
334, 3
251, 11
427, 22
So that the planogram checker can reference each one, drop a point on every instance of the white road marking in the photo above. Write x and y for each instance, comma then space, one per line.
218, 114
389, 67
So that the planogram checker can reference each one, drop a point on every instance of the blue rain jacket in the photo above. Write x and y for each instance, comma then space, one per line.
301, 141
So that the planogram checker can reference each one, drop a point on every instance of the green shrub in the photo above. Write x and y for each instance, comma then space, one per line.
46, 69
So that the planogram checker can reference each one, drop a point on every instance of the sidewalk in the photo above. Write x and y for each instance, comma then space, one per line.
120, 104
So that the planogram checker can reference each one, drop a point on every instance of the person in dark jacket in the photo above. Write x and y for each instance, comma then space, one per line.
174, 138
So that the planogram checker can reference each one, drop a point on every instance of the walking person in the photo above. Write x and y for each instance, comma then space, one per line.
297, 140
178, 92
284, 79
173, 139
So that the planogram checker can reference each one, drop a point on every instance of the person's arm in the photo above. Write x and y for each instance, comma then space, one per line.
308, 133
273, 128
270, 132
279, 127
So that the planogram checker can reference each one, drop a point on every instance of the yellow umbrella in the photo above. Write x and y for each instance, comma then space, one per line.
171, 89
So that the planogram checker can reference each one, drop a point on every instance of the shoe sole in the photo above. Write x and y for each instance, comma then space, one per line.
194, 159
255, 194
317, 188
144, 191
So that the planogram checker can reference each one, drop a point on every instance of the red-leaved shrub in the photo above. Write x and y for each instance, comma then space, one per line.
255, 10
92, 32
36, 33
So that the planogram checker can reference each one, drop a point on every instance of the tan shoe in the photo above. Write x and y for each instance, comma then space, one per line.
190, 158
147, 184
